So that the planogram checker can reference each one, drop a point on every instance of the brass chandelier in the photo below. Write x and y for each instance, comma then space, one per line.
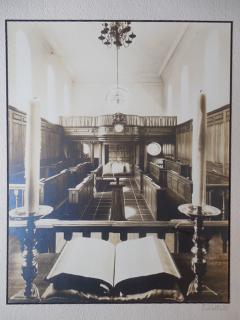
117, 33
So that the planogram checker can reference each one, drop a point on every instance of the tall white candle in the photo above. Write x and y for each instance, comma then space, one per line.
199, 154
32, 157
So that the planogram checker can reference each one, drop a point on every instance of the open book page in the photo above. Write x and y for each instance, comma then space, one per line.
143, 257
86, 257
165, 258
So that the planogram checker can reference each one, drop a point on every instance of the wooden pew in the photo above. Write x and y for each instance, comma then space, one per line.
53, 190
153, 195
79, 172
179, 185
97, 175
80, 196
158, 174
179, 167
16, 173
179, 188
139, 178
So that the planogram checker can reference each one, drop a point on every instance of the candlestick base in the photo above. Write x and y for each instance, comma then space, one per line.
30, 293
199, 264
21, 297
21, 214
192, 211
205, 290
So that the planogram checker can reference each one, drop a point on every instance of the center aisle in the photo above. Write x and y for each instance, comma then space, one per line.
136, 208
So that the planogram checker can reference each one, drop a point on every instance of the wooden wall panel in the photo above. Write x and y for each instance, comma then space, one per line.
150, 191
121, 152
184, 142
51, 144
218, 133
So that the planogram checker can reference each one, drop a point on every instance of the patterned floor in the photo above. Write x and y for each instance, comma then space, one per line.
136, 208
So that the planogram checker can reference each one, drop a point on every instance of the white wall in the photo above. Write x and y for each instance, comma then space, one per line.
201, 61
142, 99
29, 62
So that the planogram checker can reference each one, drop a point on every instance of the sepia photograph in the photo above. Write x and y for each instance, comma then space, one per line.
118, 161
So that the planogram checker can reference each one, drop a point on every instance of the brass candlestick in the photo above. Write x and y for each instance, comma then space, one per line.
199, 263
30, 292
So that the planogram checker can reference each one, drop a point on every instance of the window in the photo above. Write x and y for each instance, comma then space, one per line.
184, 90
51, 95
86, 149
23, 71
66, 100
169, 100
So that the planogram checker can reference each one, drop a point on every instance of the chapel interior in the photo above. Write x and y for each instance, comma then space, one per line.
117, 135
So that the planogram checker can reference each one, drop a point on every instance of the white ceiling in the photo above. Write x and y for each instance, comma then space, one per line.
88, 60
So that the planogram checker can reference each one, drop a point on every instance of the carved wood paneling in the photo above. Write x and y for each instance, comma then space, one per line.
51, 144
179, 185
107, 120
121, 152
218, 133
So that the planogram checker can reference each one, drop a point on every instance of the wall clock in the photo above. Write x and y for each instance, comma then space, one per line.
118, 127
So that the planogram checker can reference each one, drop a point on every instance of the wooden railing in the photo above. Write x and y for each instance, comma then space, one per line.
53, 190
47, 229
16, 195
16, 174
107, 120
78, 121
218, 196
98, 171
97, 176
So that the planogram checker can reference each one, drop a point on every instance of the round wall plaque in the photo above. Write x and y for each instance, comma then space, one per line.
154, 149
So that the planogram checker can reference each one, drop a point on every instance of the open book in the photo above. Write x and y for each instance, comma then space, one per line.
97, 266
